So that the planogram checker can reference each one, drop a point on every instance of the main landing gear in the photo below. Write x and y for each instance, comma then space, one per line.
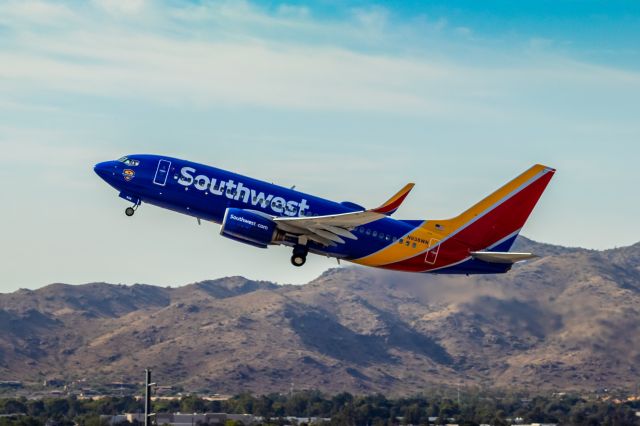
299, 255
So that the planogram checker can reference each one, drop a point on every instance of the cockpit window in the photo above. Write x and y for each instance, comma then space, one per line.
129, 161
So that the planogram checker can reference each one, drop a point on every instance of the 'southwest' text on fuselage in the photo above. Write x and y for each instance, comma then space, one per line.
239, 192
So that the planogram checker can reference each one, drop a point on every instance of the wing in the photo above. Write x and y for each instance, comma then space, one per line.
330, 230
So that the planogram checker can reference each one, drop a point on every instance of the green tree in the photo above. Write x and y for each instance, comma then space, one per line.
191, 404
12, 406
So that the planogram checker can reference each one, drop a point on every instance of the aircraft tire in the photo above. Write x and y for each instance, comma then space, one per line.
129, 211
297, 260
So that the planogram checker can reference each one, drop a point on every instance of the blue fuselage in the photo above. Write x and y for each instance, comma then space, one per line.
207, 192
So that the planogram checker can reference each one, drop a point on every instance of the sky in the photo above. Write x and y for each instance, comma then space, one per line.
345, 100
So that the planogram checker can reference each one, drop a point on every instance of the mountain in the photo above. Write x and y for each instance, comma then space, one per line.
567, 320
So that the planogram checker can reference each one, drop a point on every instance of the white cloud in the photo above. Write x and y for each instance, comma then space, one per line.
441, 24
463, 31
229, 53
372, 18
195, 72
540, 42
48, 148
20, 13
118, 7
293, 11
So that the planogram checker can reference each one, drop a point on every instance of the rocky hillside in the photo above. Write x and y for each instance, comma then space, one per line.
570, 319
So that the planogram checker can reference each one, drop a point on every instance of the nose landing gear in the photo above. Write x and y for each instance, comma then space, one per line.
129, 211
299, 257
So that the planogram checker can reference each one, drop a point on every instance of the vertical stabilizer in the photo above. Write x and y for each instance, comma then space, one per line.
494, 222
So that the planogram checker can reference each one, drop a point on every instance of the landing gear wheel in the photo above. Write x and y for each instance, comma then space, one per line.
299, 257
129, 211
297, 260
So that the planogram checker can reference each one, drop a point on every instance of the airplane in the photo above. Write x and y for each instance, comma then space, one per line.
262, 214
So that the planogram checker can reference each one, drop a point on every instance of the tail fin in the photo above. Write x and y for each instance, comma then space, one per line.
493, 223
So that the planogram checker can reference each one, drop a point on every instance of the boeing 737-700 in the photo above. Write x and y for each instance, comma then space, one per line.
261, 214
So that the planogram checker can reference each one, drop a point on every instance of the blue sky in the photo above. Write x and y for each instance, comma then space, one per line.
347, 100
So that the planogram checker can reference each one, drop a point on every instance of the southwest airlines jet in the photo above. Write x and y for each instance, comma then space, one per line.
262, 214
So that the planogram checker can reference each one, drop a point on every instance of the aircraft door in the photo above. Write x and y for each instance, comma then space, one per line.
432, 254
162, 172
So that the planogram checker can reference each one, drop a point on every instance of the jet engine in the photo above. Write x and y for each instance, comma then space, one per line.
248, 227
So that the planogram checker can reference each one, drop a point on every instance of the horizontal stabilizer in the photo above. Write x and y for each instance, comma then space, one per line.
501, 257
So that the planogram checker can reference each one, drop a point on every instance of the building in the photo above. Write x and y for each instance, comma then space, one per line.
182, 419
539, 424
164, 390
10, 384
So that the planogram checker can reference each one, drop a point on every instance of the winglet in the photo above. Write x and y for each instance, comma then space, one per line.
394, 202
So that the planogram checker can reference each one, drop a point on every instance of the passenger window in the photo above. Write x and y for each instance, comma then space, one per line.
375, 233
387, 237
407, 243
414, 245
394, 239
400, 241
368, 231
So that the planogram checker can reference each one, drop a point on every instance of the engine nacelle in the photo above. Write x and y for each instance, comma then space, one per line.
248, 227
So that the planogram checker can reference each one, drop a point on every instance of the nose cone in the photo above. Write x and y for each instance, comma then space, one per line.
105, 170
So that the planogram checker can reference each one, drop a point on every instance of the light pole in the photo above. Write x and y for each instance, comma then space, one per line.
147, 397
